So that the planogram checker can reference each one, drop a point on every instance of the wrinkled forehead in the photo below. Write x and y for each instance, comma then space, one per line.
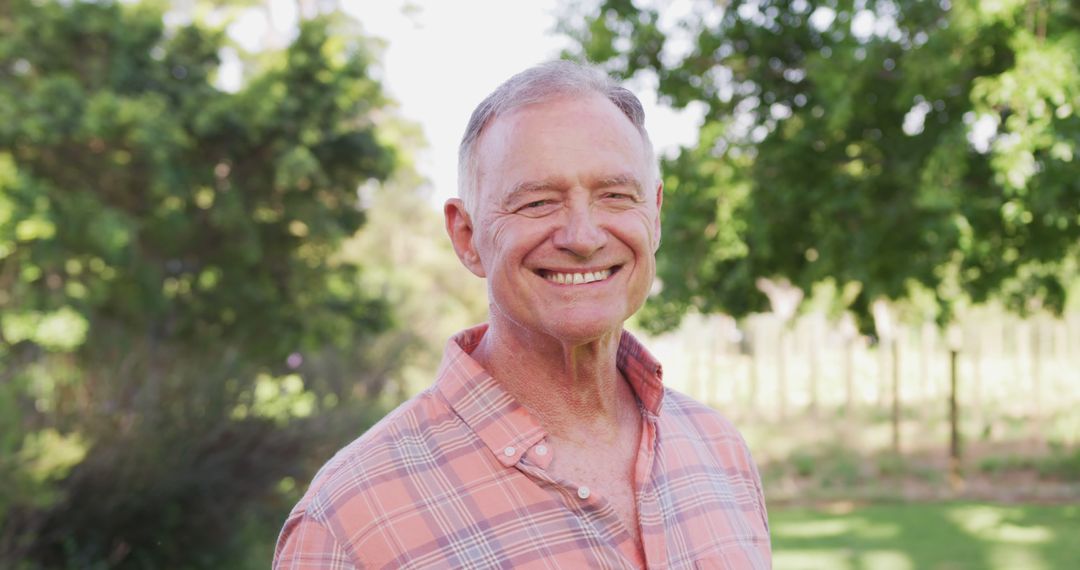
583, 135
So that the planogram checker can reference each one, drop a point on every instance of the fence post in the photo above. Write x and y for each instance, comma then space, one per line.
955, 479
896, 394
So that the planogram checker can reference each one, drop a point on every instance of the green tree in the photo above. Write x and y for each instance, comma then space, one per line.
883, 145
417, 273
168, 277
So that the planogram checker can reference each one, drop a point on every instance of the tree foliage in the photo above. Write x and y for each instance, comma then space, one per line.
138, 192
883, 145
168, 274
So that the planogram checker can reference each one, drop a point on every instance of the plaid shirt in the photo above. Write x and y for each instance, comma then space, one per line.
456, 478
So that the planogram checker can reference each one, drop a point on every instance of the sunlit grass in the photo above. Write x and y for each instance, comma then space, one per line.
946, 536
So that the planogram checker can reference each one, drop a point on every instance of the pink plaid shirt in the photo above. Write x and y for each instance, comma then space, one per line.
457, 478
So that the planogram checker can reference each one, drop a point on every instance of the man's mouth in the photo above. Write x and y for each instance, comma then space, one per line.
579, 277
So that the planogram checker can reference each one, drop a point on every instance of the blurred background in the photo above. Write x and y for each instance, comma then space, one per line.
222, 258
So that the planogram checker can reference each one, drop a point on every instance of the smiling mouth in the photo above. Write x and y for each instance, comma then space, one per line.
578, 278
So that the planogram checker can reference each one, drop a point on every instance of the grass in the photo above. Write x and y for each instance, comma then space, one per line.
933, 536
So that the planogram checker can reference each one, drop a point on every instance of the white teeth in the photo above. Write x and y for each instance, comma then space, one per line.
579, 278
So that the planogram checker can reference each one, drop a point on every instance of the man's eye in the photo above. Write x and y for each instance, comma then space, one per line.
535, 205
619, 196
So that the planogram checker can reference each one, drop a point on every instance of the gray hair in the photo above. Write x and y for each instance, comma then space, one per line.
536, 85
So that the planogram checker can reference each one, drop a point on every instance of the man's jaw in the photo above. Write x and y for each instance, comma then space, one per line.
578, 276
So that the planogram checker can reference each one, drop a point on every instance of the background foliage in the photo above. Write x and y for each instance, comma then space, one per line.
942, 134
175, 322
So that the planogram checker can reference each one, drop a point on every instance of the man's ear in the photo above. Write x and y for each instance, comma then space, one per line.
659, 203
460, 229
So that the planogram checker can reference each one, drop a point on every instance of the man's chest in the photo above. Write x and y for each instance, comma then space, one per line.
604, 473
529, 517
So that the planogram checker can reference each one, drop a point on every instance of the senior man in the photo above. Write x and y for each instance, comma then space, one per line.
547, 439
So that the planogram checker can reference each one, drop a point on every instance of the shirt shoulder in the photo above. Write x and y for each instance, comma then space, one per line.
695, 419
364, 483
407, 427
694, 433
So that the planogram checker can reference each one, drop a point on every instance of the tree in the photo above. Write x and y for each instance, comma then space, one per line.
167, 260
886, 145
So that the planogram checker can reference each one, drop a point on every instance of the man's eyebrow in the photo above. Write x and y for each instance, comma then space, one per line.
528, 187
623, 179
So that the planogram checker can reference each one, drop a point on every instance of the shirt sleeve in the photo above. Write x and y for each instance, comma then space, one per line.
306, 544
758, 488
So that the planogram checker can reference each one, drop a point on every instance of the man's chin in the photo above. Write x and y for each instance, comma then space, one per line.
581, 329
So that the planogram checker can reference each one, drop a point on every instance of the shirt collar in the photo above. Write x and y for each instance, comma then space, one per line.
503, 424
643, 371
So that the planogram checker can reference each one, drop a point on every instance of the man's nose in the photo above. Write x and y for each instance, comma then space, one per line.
580, 234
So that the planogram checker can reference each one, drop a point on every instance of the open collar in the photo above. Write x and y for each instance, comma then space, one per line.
503, 424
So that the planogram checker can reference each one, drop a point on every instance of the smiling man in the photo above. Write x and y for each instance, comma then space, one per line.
548, 439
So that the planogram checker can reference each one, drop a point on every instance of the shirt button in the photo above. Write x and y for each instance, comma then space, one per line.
509, 451
541, 450
583, 492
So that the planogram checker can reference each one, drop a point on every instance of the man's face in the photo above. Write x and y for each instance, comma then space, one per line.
566, 224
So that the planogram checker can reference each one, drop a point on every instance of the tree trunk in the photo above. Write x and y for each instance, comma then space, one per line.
954, 423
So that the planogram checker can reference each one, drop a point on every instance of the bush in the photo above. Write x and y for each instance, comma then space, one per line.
178, 335
1062, 463
166, 480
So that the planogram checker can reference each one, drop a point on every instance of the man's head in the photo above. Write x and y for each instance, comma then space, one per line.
544, 82
565, 198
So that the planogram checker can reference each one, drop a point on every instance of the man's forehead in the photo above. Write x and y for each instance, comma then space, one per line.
552, 118
528, 144
584, 103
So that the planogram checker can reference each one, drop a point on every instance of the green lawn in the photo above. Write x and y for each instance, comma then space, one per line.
944, 536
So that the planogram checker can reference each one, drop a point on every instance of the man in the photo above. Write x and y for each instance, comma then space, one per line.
547, 440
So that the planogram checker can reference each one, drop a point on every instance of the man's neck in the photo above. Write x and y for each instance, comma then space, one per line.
574, 390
